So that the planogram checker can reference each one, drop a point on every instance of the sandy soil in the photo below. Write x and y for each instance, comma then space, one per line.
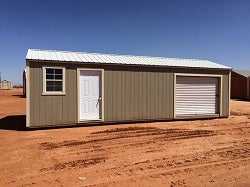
184, 153
12, 102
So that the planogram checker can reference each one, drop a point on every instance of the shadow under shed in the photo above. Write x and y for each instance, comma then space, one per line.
13, 122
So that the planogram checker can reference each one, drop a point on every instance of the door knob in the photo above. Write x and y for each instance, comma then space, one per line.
98, 101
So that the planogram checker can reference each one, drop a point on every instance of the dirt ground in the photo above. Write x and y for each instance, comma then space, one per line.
12, 102
184, 153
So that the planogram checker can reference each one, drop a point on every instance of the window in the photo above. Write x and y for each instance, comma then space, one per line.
54, 80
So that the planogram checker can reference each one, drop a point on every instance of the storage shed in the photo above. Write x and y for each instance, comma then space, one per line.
240, 84
5, 85
72, 88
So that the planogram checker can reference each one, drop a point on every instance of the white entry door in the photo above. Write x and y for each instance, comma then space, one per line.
90, 95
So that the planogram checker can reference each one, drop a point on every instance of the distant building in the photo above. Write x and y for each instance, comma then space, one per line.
240, 84
5, 85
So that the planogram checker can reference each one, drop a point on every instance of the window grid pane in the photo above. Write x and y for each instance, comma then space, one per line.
54, 86
49, 71
54, 80
58, 71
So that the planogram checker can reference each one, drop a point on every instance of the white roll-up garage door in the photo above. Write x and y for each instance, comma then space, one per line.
196, 96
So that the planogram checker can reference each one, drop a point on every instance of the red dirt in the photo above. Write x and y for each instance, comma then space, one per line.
184, 153
12, 102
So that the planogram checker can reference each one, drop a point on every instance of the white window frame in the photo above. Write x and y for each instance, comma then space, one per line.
45, 92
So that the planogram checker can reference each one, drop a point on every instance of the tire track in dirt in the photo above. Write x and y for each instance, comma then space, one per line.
167, 166
152, 134
109, 141
106, 146
171, 171
82, 163
136, 139
100, 142
218, 155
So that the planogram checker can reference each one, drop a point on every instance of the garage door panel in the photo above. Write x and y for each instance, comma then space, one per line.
196, 105
195, 111
196, 96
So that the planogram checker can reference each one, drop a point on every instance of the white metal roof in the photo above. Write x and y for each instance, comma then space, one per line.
68, 56
245, 73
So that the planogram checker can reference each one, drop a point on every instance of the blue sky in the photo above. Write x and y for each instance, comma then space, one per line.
217, 30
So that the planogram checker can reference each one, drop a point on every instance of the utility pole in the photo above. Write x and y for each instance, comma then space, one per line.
0, 77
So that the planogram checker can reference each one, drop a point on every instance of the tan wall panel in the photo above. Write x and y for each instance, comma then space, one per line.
52, 109
136, 95
225, 95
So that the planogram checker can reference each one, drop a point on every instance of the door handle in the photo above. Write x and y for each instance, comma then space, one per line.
98, 101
